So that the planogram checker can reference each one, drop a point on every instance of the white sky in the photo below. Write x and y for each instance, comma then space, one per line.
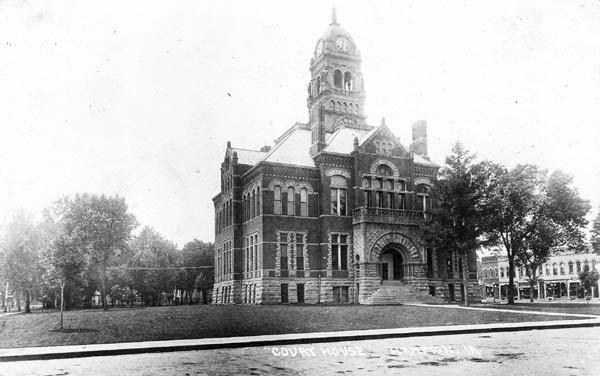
138, 98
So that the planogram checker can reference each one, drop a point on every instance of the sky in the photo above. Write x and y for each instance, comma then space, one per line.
139, 98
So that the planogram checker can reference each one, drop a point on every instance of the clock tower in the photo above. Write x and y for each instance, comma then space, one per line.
336, 89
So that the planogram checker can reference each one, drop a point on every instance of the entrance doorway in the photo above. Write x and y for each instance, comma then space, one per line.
392, 266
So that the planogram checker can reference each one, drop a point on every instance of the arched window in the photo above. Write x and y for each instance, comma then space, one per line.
332, 105
586, 266
496, 272
290, 201
257, 201
502, 272
377, 147
385, 170
570, 267
578, 266
485, 273
318, 85
304, 202
338, 187
562, 268
547, 269
423, 200
345, 107
554, 269
252, 204
348, 82
277, 199
337, 79
338, 105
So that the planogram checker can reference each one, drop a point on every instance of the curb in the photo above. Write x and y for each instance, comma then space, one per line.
128, 348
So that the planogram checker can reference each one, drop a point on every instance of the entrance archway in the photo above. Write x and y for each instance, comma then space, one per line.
392, 264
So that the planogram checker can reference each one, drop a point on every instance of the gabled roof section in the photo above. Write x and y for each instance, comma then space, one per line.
293, 147
248, 157
384, 131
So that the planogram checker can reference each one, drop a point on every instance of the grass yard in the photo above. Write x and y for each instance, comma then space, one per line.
201, 321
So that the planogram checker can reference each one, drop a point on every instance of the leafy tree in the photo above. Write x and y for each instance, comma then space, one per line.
153, 267
21, 253
195, 255
596, 234
456, 223
102, 226
536, 251
63, 253
525, 208
589, 278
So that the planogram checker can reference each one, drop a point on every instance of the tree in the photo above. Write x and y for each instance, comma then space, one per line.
536, 251
589, 279
526, 209
103, 226
20, 249
595, 240
455, 223
63, 254
195, 255
153, 267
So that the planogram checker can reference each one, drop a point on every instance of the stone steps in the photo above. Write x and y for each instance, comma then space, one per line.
398, 292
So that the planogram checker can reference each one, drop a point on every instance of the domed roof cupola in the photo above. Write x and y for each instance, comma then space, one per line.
335, 39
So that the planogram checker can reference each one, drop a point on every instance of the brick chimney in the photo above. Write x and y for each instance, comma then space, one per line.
419, 138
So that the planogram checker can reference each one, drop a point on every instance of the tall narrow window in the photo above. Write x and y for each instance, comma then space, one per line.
339, 252
290, 201
257, 201
299, 252
252, 204
338, 195
337, 79
277, 199
255, 252
348, 82
304, 202
283, 247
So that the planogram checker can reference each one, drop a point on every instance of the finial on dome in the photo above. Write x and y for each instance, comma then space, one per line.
333, 16
383, 121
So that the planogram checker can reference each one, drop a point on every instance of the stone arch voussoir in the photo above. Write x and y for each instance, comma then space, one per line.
395, 238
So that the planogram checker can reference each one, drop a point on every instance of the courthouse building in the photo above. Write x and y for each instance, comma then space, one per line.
333, 211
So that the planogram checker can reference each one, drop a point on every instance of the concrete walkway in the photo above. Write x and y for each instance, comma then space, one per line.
74, 351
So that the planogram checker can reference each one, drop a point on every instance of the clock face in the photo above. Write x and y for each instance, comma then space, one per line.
342, 44
319, 47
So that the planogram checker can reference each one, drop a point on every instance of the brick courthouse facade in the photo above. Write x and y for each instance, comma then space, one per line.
333, 211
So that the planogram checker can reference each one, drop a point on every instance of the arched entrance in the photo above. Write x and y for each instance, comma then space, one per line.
392, 264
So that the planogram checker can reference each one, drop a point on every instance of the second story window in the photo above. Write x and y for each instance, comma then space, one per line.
304, 202
290, 201
338, 195
277, 200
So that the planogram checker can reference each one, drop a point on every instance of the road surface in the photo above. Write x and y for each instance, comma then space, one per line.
539, 352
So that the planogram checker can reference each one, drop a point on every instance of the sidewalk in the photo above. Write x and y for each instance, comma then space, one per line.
61, 352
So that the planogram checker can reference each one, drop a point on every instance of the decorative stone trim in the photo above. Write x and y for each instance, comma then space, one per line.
297, 185
422, 180
338, 171
381, 161
395, 238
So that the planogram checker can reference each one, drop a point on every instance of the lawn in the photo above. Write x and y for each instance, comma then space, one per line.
201, 321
